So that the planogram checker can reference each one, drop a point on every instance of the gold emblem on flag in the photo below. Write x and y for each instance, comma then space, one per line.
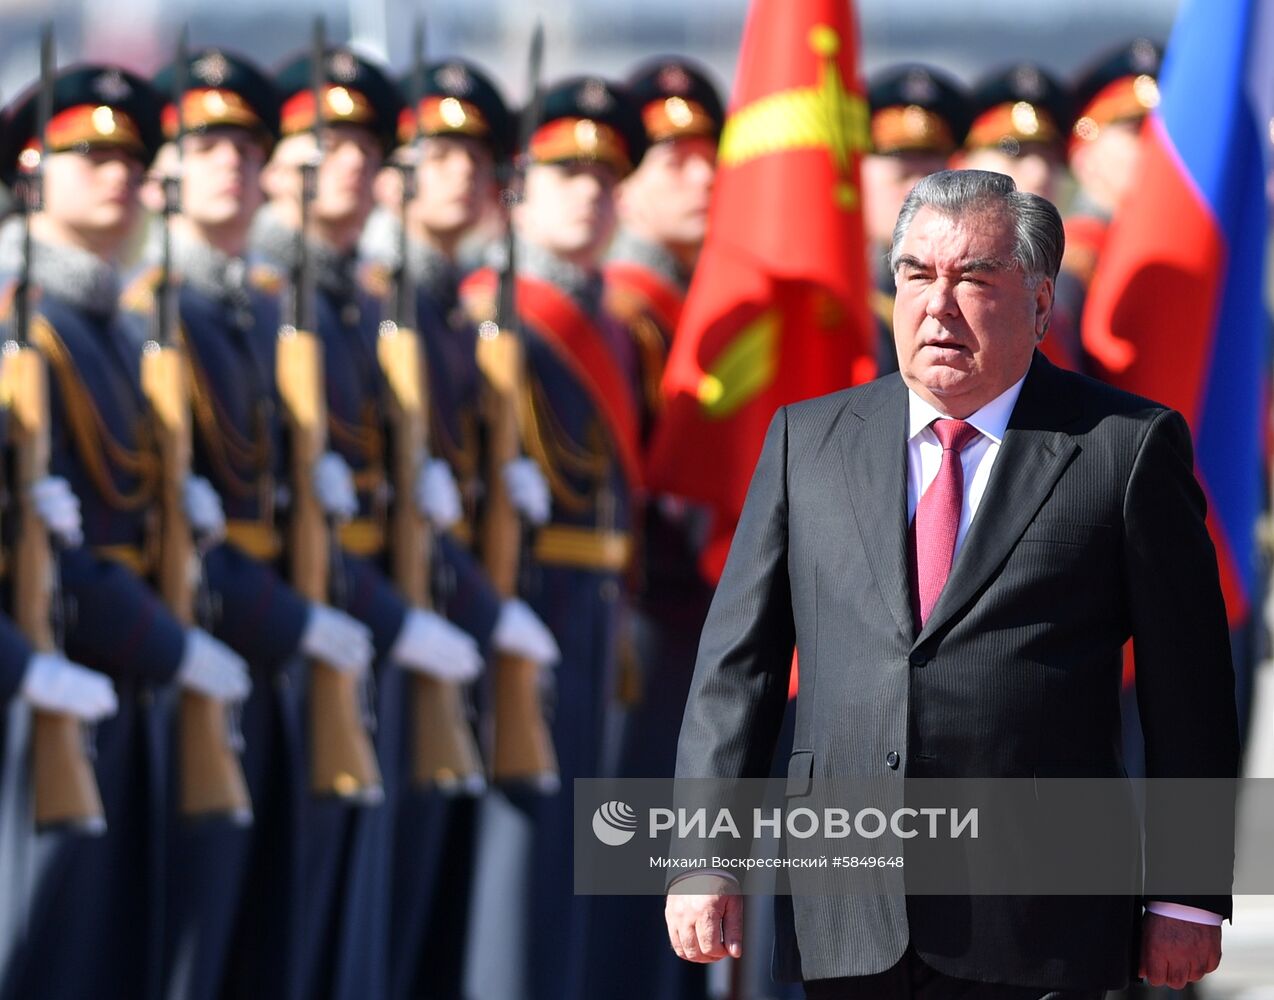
826, 116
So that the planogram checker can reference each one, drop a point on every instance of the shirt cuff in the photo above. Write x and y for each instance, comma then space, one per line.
1179, 911
703, 871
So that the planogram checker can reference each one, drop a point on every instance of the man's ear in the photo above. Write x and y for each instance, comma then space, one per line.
1043, 307
1081, 163
151, 192
281, 175
387, 188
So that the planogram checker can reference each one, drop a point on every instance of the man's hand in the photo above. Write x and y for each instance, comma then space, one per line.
697, 908
1175, 952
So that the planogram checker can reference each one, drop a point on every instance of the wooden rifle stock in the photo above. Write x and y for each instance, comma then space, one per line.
64, 785
523, 746
342, 758
212, 781
445, 754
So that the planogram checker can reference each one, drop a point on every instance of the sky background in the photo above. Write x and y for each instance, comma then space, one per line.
966, 37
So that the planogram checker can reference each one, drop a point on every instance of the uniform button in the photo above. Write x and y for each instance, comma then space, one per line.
918, 660
609, 590
892, 759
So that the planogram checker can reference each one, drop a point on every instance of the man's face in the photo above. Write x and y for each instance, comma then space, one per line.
1107, 165
965, 322
455, 180
569, 209
1037, 169
221, 176
887, 180
343, 195
93, 193
667, 197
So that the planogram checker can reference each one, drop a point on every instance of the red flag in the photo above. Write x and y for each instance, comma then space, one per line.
778, 308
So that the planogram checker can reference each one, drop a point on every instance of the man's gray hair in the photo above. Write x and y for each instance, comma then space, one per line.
1039, 241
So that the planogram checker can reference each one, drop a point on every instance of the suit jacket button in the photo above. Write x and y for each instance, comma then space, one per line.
918, 659
892, 759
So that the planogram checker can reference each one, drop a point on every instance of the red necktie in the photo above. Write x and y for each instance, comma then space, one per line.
938, 515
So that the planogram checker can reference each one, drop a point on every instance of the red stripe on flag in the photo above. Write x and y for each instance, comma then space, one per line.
1152, 307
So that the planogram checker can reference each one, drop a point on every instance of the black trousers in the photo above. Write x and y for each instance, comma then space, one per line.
912, 979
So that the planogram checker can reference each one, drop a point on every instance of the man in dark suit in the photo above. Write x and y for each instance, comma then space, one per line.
959, 555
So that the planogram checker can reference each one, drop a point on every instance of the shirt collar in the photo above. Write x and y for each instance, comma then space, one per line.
992, 420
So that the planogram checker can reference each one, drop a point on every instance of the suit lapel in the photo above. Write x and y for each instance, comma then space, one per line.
875, 465
1031, 458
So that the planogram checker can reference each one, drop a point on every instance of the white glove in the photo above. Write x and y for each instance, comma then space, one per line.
528, 489
55, 684
519, 632
437, 494
337, 639
334, 484
210, 667
202, 506
431, 645
59, 509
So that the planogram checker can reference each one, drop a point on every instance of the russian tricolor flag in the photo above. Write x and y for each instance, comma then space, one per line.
1175, 311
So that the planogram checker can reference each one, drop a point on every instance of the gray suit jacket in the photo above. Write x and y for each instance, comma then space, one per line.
1091, 530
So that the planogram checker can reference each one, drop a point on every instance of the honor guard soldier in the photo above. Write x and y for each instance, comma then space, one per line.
1112, 99
32, 680
582, 425
453, 133
102, 131
1021, 124
663, 214
919, 118
236, 893
350, 128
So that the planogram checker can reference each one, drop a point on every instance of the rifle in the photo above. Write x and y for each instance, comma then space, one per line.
445, 752
64, 785
212, 782
342, 758
523, 745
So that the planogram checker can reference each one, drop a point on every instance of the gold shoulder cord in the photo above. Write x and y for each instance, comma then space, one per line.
652, 351
548, 443
93, 439
227, 448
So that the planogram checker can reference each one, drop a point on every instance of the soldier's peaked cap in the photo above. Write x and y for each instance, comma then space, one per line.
355, 92
457, 98
676, 97
588, 118
917, 108
1023, 103
221, 88
94, 106
1121, 86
